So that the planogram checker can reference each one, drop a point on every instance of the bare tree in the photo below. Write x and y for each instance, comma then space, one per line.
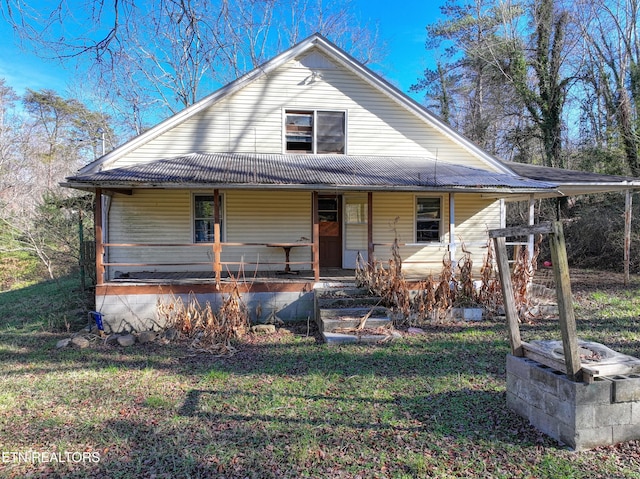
157, 56
611, 30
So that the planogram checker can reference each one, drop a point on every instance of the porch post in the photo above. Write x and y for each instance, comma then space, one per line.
627, 234
97, 221
452, 229
217, 248
370, 229
530, 241
315, 249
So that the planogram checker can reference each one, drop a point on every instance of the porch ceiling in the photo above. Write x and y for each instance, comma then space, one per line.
229, 170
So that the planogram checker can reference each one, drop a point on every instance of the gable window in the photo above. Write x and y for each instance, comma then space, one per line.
315, 131
428, 219
204, 218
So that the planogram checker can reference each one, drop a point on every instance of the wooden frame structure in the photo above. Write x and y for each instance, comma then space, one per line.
571, 364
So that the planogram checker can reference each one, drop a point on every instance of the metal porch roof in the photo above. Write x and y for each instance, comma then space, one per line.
240, 169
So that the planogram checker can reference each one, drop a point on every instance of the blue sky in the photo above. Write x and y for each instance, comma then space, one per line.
401, 26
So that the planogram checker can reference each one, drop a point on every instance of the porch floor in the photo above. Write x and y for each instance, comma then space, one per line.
208, 277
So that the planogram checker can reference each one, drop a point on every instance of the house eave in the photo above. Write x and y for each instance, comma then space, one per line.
126, 188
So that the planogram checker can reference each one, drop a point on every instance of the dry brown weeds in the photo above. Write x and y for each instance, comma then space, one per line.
433, 299
207, 331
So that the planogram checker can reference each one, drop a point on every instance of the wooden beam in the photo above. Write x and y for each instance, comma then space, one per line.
452, 230
541, 356
565, 302
97, 221
217, 249
541, 228
627, 234
120, 191
370, 245
532, 217
315, 235
507, 294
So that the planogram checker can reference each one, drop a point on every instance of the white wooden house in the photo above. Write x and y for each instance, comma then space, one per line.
296, 167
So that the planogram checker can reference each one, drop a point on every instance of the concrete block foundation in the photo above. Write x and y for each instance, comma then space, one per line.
138, 312
580, 415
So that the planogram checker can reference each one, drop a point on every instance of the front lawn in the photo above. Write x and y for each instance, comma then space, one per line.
285, 406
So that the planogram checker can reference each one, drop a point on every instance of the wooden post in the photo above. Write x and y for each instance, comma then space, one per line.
83, 281
565, 302
507, 295
97, 221
370, 229
217, 247
504, 271
316, 236
531, 238
628, 206
452, 230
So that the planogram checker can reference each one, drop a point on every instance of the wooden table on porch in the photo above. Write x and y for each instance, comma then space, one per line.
287, 251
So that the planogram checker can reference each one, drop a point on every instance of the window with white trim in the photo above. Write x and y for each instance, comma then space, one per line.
428, 219
204, 218
315, 131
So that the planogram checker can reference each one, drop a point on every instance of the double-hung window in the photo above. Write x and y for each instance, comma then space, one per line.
315, 131
428, 219
204, 218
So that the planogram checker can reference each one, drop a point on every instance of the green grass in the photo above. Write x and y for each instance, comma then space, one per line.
285, 406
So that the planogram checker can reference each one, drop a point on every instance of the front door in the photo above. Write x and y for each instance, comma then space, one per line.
330, 226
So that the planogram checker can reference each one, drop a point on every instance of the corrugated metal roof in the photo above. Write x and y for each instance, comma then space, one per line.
304, 169
560, 175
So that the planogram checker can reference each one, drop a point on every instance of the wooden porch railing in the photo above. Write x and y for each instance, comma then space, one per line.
216, 248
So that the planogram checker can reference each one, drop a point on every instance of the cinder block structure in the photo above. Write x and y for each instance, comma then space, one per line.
580, 415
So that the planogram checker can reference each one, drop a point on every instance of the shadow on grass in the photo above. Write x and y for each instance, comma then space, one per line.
405, 358
466, 414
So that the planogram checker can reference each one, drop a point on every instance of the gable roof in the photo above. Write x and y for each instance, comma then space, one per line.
319, 43
566, 182
237, 170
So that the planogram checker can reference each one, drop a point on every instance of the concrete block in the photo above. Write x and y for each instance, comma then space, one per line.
521, 367
626, 388
584, 439
338, 338
598, 392
518, 405
544, 422
635, 413
545, 378
613, 414
550, 405
515, 384
466, 314
532, 393
623, 433
584, 416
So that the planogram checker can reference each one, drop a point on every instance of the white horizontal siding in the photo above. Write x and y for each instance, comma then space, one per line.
394, 217
148, 217
165, 216
268, 217
251, 120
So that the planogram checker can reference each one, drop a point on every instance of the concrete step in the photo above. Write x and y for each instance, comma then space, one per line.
342, 338
347, 302
332, 319
340, 309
